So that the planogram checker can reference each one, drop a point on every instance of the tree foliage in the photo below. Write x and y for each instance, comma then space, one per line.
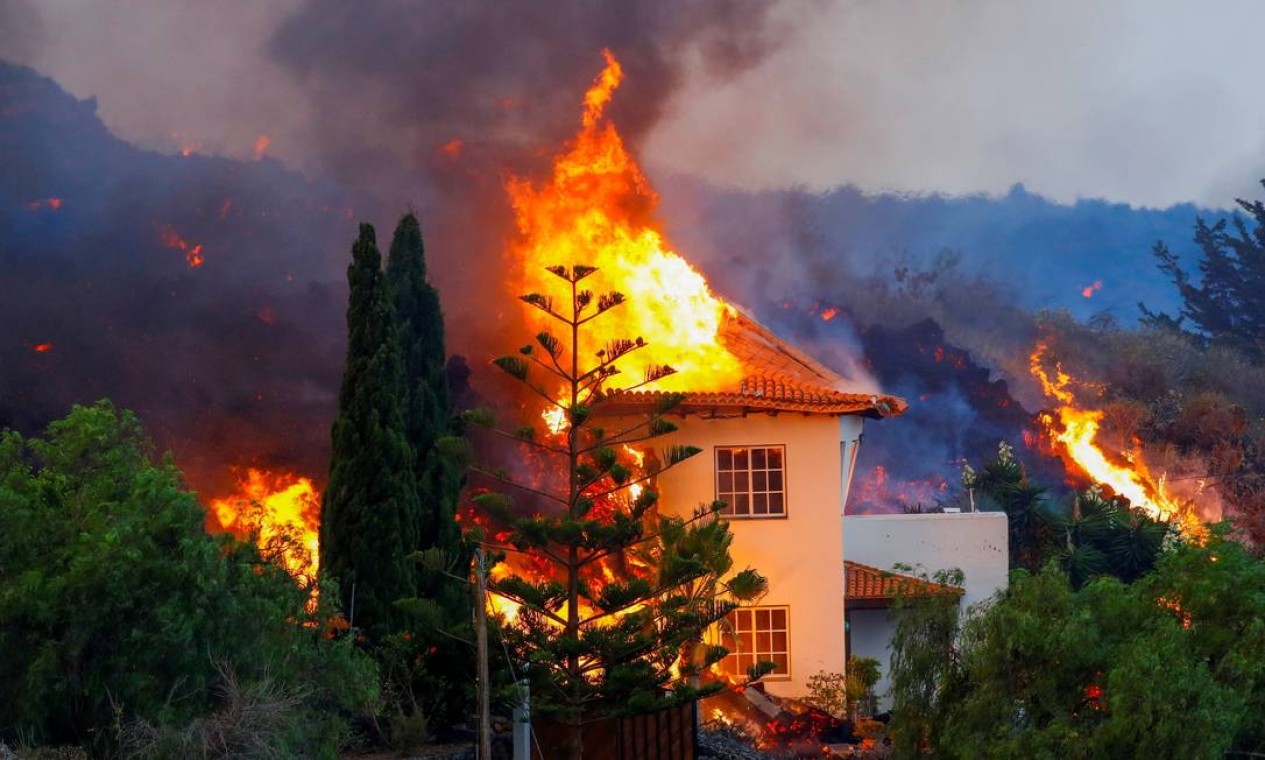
1171, 665
1096, 536
617, 594
116, 606
432, 665
1223, 303
370, 514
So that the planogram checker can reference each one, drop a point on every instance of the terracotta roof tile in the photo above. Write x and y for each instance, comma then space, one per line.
865, 583
779, 378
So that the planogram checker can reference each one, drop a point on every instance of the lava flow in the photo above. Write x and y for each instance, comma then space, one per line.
281, 509
597, 209
1076, 433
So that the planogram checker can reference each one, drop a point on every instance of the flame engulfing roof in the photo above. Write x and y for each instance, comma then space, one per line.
866, 586
777, 378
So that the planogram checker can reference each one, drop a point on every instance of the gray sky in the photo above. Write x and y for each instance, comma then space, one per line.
1150, 103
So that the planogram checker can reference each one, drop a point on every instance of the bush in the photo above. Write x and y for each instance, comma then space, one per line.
117, 608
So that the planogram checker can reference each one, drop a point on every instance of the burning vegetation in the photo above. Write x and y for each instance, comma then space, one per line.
281, 511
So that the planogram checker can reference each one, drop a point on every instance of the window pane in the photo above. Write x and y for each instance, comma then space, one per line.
762, 618
779, 641
724, 459
776, 505
759, 481
775, 481
760, 503
740, 459
758, 459
777, 619
745, 661
775, 459
763, 642
745, 642
725, 483
741, 481
742, 504
782, 662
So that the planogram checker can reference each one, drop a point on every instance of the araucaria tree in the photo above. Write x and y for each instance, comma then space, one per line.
611, 599
370, 511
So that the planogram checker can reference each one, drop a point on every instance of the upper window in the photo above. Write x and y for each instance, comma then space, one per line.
751, 480
754, 635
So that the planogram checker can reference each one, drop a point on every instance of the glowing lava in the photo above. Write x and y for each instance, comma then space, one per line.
283, 510
1076, 433
172, 239
598, 209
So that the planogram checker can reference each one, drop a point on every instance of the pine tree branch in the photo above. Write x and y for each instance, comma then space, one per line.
516, 484
555, 370
554, 558
530, 442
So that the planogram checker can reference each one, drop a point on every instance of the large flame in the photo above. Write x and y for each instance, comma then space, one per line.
1076, 432
598, 208
276, 506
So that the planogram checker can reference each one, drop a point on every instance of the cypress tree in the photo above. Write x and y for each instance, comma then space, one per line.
427, 411
369, 515
445, 601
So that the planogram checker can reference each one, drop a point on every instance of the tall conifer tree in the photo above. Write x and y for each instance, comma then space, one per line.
427, 412
445, 601
370, 512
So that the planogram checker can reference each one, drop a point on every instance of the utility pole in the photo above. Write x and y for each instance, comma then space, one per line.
481, 639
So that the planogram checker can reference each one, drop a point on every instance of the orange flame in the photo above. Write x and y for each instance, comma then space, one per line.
598, 208
830, 314
171, 239
275, 506
53, 203
261, 146
1076, 432
1089, 290
42, 348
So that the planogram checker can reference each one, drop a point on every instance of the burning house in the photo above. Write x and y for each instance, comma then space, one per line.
779, 448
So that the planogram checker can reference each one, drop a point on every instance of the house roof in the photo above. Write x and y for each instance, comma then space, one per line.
866, 586
779, 378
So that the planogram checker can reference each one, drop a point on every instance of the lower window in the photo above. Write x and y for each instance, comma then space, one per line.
757, 634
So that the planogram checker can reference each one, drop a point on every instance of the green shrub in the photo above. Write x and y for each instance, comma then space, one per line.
116, 607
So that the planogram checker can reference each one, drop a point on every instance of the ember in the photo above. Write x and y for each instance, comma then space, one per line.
172, 239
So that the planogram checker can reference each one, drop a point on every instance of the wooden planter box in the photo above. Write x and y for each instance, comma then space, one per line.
668, 734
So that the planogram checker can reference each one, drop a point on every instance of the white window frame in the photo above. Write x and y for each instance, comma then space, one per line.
751, 474
764, 645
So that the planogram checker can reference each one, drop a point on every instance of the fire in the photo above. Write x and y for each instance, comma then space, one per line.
879, 493
598, 208
1089, 290
172, 239
453, 148
830, 314
1076, 434
52, 203
41, 348
276, 506
261, 146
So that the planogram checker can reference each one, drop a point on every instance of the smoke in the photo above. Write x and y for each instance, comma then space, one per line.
21, 28
1072, 99
236, 362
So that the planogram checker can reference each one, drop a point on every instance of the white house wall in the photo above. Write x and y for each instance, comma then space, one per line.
802, 553
977, 543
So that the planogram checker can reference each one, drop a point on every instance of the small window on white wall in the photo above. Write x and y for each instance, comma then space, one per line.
751, 480
757, 634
